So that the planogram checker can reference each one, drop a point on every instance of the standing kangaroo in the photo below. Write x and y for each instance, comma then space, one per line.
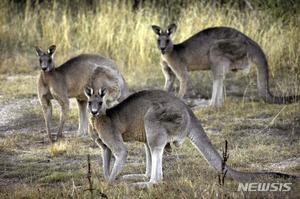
68, 80
219, 49
155, 118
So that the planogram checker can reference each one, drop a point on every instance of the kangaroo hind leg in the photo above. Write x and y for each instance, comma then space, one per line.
156, 140
219, 71
148, 167
224, 55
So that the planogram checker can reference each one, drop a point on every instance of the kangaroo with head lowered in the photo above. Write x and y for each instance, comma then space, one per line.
67, 81
155, 118
220, 49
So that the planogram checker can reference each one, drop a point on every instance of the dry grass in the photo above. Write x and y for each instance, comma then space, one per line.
259, 135
118, 32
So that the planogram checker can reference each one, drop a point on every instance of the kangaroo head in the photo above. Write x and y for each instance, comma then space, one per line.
46, 63
96, 105
164, 42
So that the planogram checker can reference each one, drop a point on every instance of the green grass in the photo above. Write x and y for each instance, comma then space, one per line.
259, 134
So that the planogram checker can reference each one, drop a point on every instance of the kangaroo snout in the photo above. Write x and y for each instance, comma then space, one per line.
44, 69
163, 50
94, 113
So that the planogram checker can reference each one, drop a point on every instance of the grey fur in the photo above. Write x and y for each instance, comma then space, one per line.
67, 81
220, 49
155, 118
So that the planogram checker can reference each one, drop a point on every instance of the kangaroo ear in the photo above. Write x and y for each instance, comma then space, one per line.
157, 30
88, 91
103, 91
51, 50
171, 29
39, 51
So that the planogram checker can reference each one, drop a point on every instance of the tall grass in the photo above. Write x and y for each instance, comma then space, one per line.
123, 33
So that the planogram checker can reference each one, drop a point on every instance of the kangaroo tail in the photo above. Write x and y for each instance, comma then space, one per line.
199, 138
263, 81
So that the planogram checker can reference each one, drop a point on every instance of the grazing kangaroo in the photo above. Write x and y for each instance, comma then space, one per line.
155, 118
117, 87
68, 80
219, 49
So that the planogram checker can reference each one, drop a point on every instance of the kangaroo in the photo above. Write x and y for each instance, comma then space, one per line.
155, 118
220, 49
68, 80
117, 87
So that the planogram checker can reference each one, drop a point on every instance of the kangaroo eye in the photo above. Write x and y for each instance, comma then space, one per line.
40, 61
100, 103
49, 60
158, 41
90, 103
167, 41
